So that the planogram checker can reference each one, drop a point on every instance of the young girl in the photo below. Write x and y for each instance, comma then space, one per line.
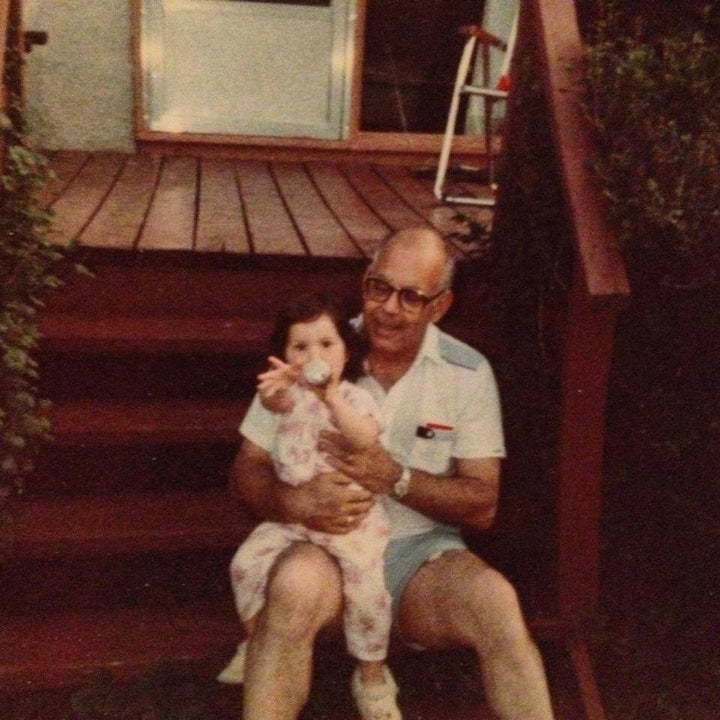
307, 392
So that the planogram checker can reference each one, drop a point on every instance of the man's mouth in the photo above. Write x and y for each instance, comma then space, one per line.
384, 330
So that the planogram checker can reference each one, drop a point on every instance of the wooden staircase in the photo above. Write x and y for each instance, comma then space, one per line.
121, 545
122, 542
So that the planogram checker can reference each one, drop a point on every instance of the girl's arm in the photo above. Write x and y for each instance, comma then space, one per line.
360, 429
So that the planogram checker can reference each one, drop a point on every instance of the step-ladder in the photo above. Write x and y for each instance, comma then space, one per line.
490, 82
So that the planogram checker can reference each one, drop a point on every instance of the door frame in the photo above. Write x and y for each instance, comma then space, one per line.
372, 145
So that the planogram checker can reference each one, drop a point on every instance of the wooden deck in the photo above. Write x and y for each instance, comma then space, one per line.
243, 207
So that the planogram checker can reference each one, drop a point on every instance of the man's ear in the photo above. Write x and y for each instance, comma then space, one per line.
442, 305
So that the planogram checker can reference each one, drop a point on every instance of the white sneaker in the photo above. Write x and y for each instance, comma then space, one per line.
376, 702
234, 672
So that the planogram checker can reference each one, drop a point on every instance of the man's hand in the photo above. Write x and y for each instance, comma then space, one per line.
330, 502
372, 466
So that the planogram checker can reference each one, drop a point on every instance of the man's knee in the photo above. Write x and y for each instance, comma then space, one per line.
459, 599
497, 613
305, 588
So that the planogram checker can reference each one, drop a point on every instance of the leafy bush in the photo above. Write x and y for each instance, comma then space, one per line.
653, 80
654, 99
29, 266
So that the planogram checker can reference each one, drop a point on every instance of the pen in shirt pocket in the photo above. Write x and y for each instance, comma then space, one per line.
431, 429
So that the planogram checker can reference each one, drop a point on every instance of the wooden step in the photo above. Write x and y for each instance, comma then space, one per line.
106, 469
66, 648
96, 422
69, 648
153, 334
102, 582
198, 284
127, 523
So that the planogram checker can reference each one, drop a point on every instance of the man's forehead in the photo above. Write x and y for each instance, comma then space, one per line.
408, 267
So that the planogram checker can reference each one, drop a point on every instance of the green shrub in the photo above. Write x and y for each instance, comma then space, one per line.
653, 96
29, 266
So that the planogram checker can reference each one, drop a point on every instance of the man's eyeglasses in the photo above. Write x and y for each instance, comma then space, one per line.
410, 299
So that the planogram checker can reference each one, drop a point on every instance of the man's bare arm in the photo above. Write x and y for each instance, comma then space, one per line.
469, 498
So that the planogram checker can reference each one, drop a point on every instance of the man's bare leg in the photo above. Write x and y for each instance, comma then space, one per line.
459, 600
304, 594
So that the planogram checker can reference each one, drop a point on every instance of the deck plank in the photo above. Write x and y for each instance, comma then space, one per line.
418, 194
363, 225
240, 207
380, 197
170, 222
447, 219
271, 229
323, 234
118, 222
65, 164
84, 195
221, 219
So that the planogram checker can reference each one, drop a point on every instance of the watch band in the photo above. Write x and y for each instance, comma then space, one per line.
402, 484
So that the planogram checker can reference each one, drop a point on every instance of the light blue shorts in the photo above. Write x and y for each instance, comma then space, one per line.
405, 555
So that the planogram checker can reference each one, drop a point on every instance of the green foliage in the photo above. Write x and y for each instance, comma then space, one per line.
29, 267
653, 97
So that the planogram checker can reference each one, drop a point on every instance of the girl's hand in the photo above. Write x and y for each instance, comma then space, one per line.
328, 392
273, 383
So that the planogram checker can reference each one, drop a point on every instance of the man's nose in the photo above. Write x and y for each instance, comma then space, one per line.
392, 303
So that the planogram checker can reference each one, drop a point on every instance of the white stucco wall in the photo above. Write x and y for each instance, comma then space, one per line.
79, 86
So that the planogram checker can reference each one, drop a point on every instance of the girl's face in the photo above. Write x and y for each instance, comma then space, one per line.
317, 339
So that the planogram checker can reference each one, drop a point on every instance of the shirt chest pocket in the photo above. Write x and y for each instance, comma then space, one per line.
432, 449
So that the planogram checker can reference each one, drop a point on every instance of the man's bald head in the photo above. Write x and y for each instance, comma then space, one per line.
427, 246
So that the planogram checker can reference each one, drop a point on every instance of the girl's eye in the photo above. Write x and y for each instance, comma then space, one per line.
327, 343
299, 347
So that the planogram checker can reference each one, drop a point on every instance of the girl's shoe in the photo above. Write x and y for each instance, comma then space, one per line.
234, 672
376, 702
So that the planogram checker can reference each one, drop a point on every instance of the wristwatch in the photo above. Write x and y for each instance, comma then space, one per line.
402, 484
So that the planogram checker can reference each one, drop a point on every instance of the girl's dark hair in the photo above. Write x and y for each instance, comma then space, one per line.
310, 307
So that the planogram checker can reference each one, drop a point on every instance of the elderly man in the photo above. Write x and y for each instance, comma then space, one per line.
437, 469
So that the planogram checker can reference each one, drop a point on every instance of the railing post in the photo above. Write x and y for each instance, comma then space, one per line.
590, 332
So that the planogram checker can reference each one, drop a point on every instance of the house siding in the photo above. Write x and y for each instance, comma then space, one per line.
79, 88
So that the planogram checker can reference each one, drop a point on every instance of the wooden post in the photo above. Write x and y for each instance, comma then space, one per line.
586, 364
599, 289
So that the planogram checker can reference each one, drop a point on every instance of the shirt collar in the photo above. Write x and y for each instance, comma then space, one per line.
429, 348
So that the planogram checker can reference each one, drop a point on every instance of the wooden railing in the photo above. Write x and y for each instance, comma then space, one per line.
599, 289
549, 47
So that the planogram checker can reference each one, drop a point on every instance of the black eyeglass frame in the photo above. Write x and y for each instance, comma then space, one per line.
420, 297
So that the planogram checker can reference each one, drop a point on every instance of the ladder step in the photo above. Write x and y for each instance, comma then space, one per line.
211, 335
126, 523
105, 422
